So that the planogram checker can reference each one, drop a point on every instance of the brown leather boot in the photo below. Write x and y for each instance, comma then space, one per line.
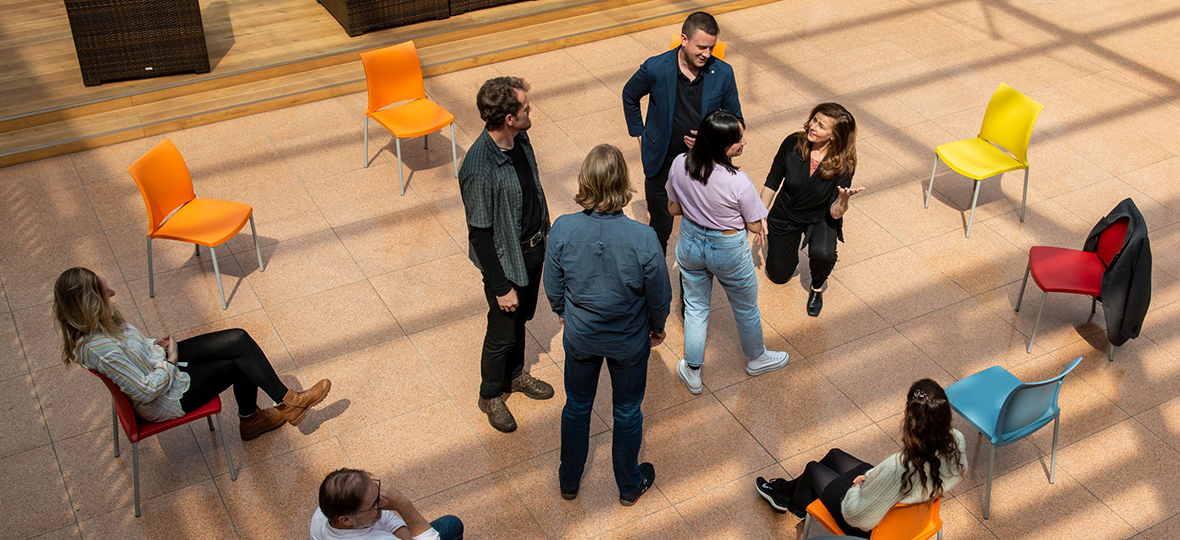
498, 414
262, 421
532, 386
295, 404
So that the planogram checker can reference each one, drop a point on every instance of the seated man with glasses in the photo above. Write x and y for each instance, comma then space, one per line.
352, 505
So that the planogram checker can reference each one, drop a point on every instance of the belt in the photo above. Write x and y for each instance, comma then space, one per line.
532, 242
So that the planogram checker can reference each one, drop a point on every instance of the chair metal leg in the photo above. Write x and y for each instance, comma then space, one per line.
1024, 200
939, 534
454, 152
115, 426
365, 123
974, 200
930, 190
1023, 284
1053, 459
1093, 305
257, 248
426, 141
229, 458
135, 474
1033, 337
987, 498
400, 180
806, 525
217, 273
196, 250
151, 275
1110, 353
209, 420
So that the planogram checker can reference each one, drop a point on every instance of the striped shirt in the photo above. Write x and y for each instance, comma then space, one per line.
139, 368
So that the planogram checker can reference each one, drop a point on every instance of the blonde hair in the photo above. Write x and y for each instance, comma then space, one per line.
81, 308
603, 183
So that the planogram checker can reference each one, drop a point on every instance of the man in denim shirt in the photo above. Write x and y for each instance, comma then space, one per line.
606, 279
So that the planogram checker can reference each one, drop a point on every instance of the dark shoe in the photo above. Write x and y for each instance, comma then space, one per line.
569, 494
648, 471
815, 303
262, 421
532, 386
295, 404
768, 490
498, 414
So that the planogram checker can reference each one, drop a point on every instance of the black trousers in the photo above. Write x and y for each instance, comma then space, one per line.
227, 358
829, 479
503, 344
782, 251
656, 192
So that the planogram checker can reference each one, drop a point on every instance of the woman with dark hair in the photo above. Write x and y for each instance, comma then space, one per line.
817, 164
166, 379
719, 205
857, 494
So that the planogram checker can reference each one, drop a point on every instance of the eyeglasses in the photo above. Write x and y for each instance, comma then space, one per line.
376, 503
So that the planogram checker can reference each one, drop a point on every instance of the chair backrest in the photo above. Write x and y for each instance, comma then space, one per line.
1009, 119
163, 181
392, 74
909, 522
1029, 403
718, 50
1112, 240
122, 408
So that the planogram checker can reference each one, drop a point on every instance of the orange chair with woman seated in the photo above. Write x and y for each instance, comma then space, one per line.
904, 522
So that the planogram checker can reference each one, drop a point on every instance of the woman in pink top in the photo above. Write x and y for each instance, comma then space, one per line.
719, 203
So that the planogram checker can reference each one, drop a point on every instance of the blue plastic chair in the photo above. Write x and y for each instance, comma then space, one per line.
1006, 410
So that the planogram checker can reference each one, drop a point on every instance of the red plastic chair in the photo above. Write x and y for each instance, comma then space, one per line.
136, 428
1073, 271
903, 522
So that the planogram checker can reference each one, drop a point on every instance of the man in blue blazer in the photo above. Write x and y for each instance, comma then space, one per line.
684, 85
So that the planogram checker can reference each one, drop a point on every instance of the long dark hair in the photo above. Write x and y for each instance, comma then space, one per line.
927, 437
719, 130
841, 156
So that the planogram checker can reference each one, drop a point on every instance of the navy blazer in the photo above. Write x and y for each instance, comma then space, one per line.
657, 77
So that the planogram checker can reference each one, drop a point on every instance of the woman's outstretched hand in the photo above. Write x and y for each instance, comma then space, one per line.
846, 193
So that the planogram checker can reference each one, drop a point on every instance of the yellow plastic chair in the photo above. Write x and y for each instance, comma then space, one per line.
903, 522
1007, 125
393, 74
176, 213
718, 50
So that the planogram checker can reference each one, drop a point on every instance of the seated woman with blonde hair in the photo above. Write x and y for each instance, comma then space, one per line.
166, 379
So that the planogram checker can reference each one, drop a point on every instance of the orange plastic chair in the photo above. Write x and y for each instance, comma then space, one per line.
393, 74
138, 429
718, 51
176, 213
903, 522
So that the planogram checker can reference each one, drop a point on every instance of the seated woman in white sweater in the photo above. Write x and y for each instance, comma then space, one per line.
863, 494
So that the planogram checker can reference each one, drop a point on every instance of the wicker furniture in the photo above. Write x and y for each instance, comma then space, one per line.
360, 16
135, 39
463, 6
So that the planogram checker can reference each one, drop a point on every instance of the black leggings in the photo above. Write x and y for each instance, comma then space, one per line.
227, 358
782, 252
829, 479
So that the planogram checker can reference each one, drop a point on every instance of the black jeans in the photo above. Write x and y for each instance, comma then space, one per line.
656, 192
829, 479
227, 358
503, 344
782, 252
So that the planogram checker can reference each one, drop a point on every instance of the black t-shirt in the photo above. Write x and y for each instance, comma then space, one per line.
530, 208
805, 198
687, 115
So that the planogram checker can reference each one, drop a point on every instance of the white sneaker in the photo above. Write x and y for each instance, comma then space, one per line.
766, 362
691, 377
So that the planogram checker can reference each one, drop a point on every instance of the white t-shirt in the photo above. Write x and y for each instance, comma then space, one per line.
382, 529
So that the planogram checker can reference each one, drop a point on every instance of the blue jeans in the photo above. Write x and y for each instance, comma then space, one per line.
702, 254
448, 527
628, 380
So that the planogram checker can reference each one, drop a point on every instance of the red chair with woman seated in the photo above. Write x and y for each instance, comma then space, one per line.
137, 428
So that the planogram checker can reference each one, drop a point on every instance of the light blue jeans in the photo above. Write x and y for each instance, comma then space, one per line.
702, 254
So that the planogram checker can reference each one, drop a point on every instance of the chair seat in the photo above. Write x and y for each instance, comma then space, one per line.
418, 117
1066, 270
147, 429
979, 398
208, 222
977, 158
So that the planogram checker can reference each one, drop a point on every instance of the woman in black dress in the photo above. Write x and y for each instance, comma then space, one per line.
817, 164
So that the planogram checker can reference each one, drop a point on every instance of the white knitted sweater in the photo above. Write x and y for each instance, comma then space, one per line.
864, 507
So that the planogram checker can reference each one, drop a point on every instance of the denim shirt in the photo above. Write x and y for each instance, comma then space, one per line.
605, 275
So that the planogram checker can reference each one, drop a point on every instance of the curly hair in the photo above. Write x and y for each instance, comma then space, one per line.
496, 100
841, 156
927, 437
